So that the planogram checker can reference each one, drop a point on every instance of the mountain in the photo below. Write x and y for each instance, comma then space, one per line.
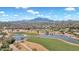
39, 19
35, 20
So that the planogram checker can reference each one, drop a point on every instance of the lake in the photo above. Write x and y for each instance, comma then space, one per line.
60, 36
18, 37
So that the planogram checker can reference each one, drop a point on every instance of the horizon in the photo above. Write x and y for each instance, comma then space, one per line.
40, 20
27, 13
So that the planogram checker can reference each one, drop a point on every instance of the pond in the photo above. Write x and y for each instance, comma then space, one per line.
18, 37
60, 36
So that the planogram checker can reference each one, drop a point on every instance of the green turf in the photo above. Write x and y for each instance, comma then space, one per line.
27, 33
54, 44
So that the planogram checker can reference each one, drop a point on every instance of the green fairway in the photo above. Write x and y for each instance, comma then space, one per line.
27, 33
54, 44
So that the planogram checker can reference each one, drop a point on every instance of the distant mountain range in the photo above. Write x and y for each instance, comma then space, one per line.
39, 19
35, 20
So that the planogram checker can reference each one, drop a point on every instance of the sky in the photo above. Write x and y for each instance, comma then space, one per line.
28, 13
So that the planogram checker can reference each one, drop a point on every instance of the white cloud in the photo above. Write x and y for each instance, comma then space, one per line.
40, 15
48, 16
70, 9
5, 15
33, 12
16, 15
2, 12
67, 16
54, 16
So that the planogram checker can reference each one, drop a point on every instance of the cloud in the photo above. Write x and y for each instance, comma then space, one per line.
5, 15
70, 9
55, 17
67, 16
16, 15
48, 16
2, 12
33, 12
40, 15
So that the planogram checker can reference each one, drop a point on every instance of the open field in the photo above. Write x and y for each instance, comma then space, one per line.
54, 44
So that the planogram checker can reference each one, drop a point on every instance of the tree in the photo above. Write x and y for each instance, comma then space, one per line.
62, 31
4, 34
11, 41
6, 43
38, 31
4, 46
47, 33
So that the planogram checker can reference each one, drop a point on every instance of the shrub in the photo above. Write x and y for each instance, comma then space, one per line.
11, 41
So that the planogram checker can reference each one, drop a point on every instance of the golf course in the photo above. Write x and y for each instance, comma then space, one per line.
54, 44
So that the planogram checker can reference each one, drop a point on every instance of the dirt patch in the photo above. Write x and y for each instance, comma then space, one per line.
35, 46
27, 46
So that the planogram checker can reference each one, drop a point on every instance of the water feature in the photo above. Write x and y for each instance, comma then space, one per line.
60, 36
18, 37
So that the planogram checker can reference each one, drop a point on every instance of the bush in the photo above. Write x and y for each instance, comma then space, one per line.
11, 41
5, 45
3, 33
6, 49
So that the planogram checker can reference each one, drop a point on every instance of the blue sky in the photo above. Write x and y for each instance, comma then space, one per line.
27, 13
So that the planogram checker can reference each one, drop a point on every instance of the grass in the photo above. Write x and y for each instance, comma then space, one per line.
27, 33
54, 44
